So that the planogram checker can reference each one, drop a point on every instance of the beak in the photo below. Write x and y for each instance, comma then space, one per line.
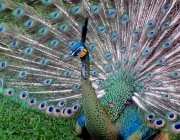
70, 55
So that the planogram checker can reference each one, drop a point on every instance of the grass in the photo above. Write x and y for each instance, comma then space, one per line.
26, 124
17, 122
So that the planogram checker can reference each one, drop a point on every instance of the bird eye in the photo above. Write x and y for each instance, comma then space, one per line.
79, 50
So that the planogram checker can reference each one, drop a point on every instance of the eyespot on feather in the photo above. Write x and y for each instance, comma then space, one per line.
46, 1
175, 128
3, 65
150, 116
75, 108
62, 103
18, 12
62, 113
172, 116
32, 102
23, 95
49, 110
56, 112
42, 106
159, 123
68, 112
9, 92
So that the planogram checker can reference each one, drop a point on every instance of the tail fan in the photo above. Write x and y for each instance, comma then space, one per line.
134, 57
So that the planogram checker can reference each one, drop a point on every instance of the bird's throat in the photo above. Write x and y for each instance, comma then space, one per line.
85, 70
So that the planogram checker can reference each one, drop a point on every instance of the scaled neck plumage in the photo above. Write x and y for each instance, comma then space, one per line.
85, 70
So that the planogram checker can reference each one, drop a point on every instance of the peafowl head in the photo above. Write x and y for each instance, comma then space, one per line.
79, 49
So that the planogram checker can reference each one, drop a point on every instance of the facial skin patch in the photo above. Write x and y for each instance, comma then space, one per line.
83, 53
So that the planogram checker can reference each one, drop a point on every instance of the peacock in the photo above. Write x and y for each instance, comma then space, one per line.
110, 65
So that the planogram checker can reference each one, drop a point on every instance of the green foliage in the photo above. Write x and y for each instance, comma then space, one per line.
22, 124
171, 136
174, 137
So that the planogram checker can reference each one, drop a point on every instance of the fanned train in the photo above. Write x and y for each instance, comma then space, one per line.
112, 64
